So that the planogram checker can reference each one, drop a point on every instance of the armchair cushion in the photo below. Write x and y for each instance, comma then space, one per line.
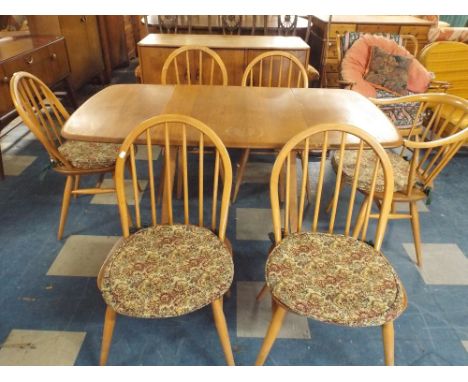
354, 65
388, 71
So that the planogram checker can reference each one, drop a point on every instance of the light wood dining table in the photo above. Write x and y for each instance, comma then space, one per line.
243, 117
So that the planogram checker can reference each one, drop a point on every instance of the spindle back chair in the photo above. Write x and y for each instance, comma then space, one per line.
312, 269
194, 65
205, 250
45, 116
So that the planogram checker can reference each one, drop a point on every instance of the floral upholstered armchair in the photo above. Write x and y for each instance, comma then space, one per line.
379, 66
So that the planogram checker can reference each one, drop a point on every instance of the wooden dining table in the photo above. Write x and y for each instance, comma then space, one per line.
243, 117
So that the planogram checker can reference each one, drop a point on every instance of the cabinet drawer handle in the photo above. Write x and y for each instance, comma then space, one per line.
5, 80
83, 19
29, 59
53, 56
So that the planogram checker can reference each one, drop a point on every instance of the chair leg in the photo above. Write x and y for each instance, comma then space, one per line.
76, 185
360, 218
109, 323
272, 333
221, 327
262, 292
330, 203
416, 232
65, 205
240, 173
388, 337
100, 180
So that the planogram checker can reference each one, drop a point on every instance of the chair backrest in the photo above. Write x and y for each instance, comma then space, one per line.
449, 61
275, 69
175, 133
168, 24
322, 139
444, 131
345, 41
41, 111
287, 25
194, 65
231, 24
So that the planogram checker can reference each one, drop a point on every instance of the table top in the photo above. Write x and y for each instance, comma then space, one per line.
369, 19
243, 117
225, 41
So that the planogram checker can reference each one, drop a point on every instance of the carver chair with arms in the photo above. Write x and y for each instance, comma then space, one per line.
270, 69
45, 116
168, 269
424, 154
322, 269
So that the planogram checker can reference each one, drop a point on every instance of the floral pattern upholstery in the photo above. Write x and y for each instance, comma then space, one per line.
89, 155
334, 279
401, 168
388, 71
402, 115
166, 271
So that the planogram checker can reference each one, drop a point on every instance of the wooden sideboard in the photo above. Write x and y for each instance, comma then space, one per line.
82, 41
235, 51
324, 56
44, 56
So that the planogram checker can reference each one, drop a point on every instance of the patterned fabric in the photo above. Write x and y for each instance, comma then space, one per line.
402, 115
401, 169
388, 71
335, 279
166, 271
349, 38
90, 155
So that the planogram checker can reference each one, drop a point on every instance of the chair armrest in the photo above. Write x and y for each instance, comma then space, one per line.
440, 85
344, 84
312, 73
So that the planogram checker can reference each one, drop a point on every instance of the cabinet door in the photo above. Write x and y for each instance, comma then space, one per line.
84, 50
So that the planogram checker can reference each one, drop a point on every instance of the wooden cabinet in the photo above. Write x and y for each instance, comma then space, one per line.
82, 43
235, 51
324, 57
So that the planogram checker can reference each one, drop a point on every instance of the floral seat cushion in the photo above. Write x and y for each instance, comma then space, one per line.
402, 115
166, 271
335, 279
401, 169
90, 155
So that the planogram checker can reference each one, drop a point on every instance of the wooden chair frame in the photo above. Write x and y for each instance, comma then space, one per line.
248, 80
172, 61
183, 136
335, 137
45, 116
431, 149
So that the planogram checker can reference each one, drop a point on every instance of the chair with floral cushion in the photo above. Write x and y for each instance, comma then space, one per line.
323, 270
44, 115
423, 156
380, 66
168, 269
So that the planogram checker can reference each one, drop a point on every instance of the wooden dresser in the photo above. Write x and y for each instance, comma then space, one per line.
44, 56
329, 65
235, 51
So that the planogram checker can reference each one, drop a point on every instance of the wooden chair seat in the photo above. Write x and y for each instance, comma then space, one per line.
334, 278
89, 155
401, 170
166, 271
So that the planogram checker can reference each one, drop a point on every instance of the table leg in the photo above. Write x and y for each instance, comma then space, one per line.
165, 207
